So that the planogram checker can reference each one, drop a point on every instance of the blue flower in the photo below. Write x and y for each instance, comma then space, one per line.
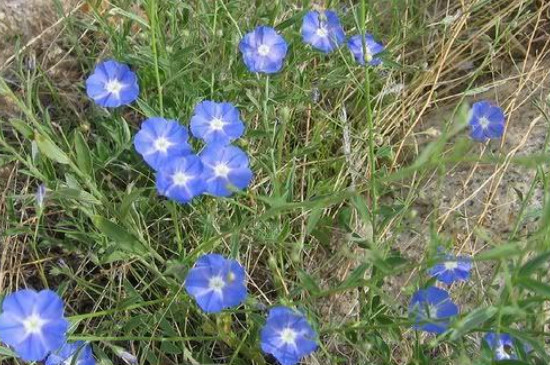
486, 121
287, 336
40, 195
33, 323
451, 269
372, 48
216, 283
160, 140
216, 123
503, 345
263, 50
112, 84
323, 30
78, 353
181, 179
225, 166
431, 310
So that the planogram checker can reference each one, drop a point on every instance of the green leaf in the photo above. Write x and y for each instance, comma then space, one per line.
83, 158
131, 16
500, 252
308, 282
75, 194
22, 127
49, 149
312, 220
532, 265
535, 286
474, 319
356, 277
123, 239
520, 335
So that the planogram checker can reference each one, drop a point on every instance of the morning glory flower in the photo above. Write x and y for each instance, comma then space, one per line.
372, 48
32, 323
323, 30
112, 84
503, 345
181, 179
40, 195
216, 283
160, 140
431, 310
451, 269
216, 123
287, 336
486, 121
263, 50
225, 166
77, 353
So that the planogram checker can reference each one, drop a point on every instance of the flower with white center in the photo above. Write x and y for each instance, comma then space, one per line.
114, 87
287, 335
112, 84
367, 52
450, 269
487, 121
162, 144
322, 30
72, 353
181, 178
216, 123
161, 140
263, 50
221, 170
431, 310
216, 283
503, 345
32, 323
225, 168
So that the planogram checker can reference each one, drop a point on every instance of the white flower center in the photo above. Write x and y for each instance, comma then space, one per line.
432, 311
113, 86
180, 178
483, 122
216, 283
450, 265
217, 124
288, 336
34, 324
162, 144
322, 32
502, 354
264, 50
221, 170
368, 54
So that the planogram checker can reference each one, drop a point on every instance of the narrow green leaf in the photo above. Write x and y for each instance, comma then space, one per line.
500, 252
474, 319
22, 127
532, 265
83, 158
123, 239
49, 149
356, 276
535, 286
308, 282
